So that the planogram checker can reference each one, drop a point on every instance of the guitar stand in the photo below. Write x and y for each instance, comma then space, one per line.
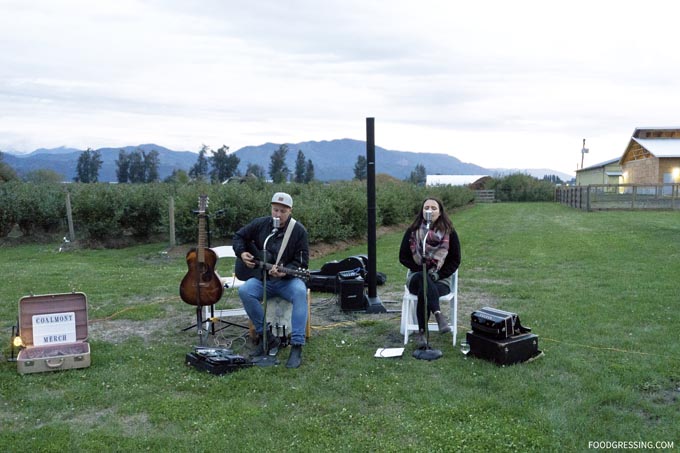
202, 333
199, 318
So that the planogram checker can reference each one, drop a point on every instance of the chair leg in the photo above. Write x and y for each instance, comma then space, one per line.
454, 321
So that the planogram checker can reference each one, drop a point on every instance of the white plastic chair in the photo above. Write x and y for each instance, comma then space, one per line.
409, 319
229, 282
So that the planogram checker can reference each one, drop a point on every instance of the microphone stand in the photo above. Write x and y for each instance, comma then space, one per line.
426, 353
266, 360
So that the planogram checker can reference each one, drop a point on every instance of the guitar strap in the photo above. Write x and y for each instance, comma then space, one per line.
286, 236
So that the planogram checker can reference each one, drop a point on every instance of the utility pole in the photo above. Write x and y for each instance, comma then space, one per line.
584, 150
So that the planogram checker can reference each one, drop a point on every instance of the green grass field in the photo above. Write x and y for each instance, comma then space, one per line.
599, 289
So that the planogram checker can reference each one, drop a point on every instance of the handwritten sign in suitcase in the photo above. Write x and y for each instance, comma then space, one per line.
53, 330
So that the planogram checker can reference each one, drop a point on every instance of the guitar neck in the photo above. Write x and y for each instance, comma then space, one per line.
201, 239
296, 273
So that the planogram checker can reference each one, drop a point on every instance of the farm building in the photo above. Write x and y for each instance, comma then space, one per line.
608, 172
652, 157
472, 181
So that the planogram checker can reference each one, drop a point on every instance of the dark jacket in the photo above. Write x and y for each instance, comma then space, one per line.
251, 238
451, 262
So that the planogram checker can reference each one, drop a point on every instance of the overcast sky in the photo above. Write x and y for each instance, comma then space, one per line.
514, 84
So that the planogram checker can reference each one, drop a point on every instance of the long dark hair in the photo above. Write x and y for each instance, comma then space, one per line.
443, 223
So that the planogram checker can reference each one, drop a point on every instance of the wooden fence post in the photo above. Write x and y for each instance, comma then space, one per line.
69, 218
171, 217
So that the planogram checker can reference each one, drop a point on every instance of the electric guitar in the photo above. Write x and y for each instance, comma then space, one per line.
243, 272
201, 285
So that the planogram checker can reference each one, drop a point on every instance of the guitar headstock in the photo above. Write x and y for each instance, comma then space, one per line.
202, 204
299, 273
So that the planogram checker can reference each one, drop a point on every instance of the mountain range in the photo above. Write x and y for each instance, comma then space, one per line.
332, 160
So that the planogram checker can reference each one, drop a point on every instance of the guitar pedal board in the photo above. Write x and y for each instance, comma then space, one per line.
216, 360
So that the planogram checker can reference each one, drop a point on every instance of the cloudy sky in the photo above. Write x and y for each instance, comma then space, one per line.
514, 84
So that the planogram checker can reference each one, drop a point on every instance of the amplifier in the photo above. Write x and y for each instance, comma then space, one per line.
352, 294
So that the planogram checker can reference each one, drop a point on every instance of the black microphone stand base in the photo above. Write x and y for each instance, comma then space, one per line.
265, 361
427, 353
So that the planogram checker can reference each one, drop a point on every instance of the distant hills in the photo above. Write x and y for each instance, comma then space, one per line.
333, 160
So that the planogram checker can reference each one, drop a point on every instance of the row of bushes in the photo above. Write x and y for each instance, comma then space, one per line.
103, 213
522, 187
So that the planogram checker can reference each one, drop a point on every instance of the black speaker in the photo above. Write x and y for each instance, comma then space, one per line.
352, 294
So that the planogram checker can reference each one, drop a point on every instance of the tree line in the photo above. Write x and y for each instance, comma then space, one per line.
215, 166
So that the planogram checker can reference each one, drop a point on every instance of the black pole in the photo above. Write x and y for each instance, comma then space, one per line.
373, 303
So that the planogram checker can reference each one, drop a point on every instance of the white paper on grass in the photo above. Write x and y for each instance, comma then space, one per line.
389, 352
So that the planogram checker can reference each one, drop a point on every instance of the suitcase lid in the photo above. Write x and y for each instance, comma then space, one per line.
49, 304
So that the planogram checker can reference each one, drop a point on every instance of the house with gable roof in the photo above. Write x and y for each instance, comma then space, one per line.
608, 172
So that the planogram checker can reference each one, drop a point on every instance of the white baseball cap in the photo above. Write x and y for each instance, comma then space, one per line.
282, 198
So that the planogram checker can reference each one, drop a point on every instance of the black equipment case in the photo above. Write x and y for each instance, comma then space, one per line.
323, 283
506, 351
326, 279
216, 361
495, 323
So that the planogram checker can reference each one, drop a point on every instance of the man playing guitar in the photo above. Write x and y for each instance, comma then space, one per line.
282, 279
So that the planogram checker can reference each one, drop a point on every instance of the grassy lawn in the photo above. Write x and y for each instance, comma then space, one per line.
600, 290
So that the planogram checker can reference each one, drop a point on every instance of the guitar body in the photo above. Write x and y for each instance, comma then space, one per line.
201, 285
243, 272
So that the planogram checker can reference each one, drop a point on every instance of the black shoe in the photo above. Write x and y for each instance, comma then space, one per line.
442, 323
273, 342
295, 359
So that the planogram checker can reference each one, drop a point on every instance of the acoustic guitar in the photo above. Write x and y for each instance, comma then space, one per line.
244, 272
201, 285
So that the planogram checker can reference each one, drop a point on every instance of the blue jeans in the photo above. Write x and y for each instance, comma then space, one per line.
293, 290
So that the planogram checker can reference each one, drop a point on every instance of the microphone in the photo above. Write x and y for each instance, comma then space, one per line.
428, 217
277, 223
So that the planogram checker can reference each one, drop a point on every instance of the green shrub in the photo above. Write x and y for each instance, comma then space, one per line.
319, 214
8, 206
522, 187
97, 210
144, 206
40, 208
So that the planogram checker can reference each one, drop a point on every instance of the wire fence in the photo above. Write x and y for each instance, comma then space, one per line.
629, 197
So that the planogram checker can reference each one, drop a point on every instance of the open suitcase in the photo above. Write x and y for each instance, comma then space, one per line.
53, 329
